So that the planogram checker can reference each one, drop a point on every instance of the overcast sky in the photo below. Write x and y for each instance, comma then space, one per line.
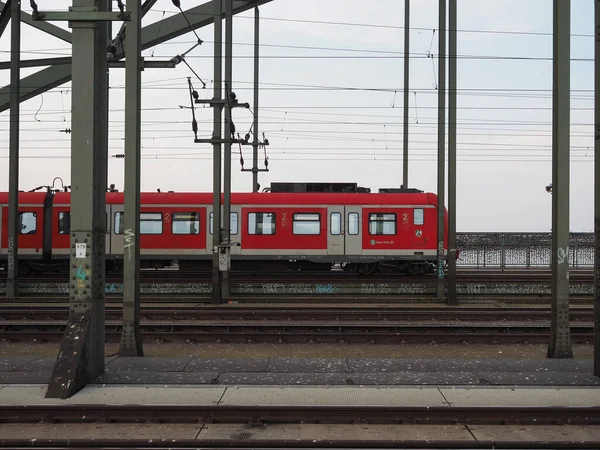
319, 132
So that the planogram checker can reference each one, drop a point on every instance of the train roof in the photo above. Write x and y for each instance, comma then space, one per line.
195, 198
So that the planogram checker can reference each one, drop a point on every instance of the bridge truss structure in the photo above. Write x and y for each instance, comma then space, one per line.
81, 356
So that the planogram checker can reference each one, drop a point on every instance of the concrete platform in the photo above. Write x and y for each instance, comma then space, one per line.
307, 396
317, 371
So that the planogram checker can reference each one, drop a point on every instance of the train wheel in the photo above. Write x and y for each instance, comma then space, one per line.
417, 269
366, 269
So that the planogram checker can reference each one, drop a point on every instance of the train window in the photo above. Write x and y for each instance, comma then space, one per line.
151, 223
306, 223
419, 217
382, 224
28, 223
186, 223
119, 223
261, 223
335, 226
64, 223
353, 224
233, 224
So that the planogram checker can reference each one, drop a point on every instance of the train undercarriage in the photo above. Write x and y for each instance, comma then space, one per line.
400, 267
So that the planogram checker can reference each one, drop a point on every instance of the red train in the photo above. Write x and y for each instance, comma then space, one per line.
363, 232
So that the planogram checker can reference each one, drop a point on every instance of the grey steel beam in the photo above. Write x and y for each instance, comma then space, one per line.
5, 16
228, 137
36, 84
199, 17
406, 86
217, 111
441, 173
14, 228
116, 44
131, 338
560, 339
597, 195
81, 16
153, 34
452, 74
4, 65
81, 355
255, 118
111, 64
46, 27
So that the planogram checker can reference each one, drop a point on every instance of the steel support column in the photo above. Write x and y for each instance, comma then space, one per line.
560, 341
81, 356
406, 86
5, 16
597, 194
255, 119
14, 224
131, 339
228, 137
452, 74
218, 76
441, 150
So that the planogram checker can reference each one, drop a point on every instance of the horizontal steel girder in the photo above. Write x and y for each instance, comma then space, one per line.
154, 34
49, 28
5, 65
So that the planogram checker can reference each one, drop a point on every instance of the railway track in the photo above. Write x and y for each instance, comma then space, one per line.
277, 414
174, 276
304, 313
311, 325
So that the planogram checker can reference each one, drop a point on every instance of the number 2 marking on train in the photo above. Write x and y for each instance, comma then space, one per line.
405, 217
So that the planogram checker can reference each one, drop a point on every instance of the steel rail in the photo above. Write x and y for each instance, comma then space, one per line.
176, 276
310, 332
320, 313
272, 414
297, 444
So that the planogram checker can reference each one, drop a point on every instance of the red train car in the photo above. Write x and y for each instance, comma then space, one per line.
363, 232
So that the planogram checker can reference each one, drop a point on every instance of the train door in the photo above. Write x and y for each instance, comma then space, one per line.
209, 229
117, 225
1, 241
109, 227
353, 230
235, 230
335, 230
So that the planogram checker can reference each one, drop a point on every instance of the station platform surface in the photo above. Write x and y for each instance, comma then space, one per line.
237, 384
277, 371
454, 399
304, 396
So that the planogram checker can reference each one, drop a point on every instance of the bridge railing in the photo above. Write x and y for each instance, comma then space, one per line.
502, 251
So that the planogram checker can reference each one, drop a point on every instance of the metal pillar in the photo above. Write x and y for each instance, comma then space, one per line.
560, 341
227, 159
597, 197
452, 73
255, 123
12, 280
81, 356
441, 149
406, 85
5, 16
131, 339
218, 57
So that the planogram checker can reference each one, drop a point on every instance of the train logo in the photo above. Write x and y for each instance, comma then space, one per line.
418, 233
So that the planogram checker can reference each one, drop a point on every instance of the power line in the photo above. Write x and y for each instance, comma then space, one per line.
385, 26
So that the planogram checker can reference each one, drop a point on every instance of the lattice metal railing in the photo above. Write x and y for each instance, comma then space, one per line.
520, 250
